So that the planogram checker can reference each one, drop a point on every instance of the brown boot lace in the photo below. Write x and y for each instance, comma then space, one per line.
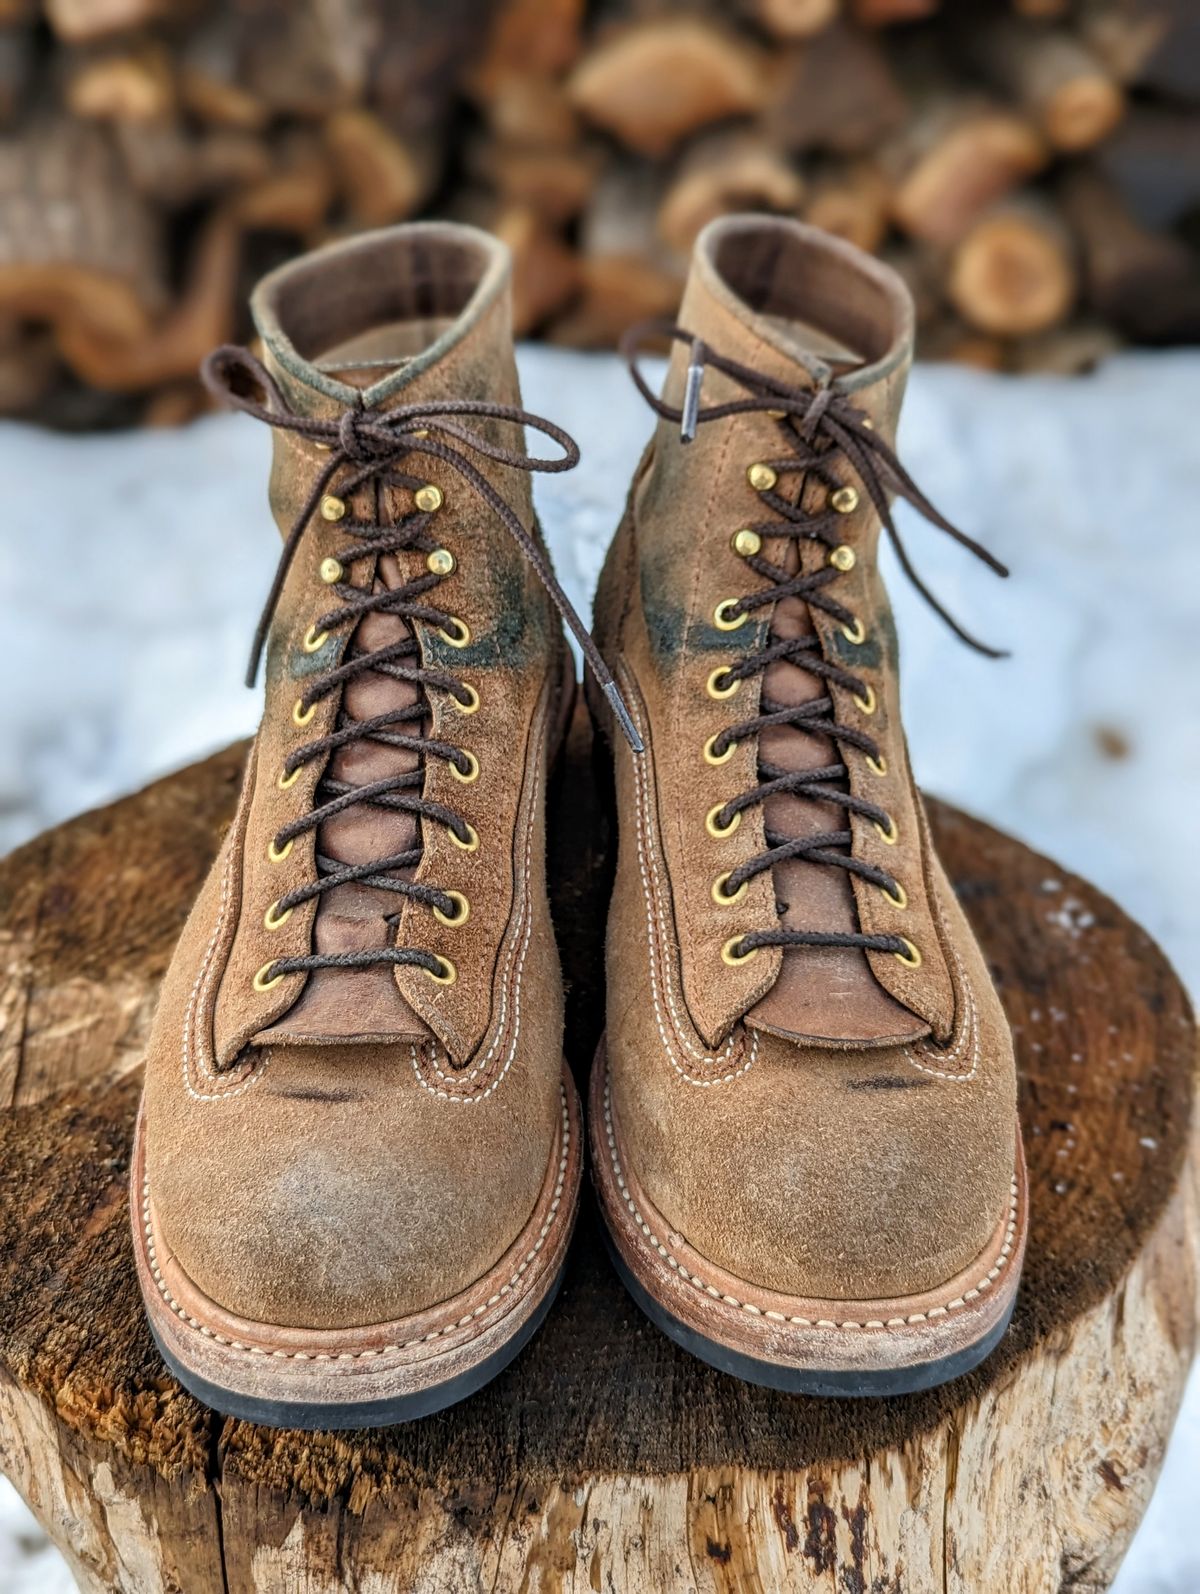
370, 446
821, 431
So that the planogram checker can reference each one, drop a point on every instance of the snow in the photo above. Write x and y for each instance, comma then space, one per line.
134, 564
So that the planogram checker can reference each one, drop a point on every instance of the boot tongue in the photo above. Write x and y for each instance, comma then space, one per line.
398, 353
793, 307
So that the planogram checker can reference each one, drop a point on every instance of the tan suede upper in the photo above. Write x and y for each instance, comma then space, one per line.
350, 1145
824, 1121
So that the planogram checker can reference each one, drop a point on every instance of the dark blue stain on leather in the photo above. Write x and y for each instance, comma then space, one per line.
864, 655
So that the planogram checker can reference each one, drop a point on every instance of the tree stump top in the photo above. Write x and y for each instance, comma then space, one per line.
89, 915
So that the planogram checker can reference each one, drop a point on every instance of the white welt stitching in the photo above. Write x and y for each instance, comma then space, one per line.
526, 924
657, 940
383, 1350
967, 1296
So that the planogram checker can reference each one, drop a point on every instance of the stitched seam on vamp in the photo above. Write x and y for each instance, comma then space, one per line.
970, 1026
365, 1355
700, 1284
526, 926
189, 1019
644, 834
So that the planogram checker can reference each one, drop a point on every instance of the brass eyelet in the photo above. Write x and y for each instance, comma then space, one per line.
331, 571
892, 835
261, 982
726, 899
472, 702
449, 973
877, 766
720, 692
472, 841
300, 715
716, 830
866, 704
728, 955
314, 639
440, 562
461, 917
272, 918
278, 854
459, 637
472, 770
899, 899
842, 557
332, 507
429, 498
856, 633
911, 960
711, 757
844, 500
285, 780
746, 543
761, 477
722, 618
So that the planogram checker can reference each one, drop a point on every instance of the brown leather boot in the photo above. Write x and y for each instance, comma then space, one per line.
358, 1157
804, 1116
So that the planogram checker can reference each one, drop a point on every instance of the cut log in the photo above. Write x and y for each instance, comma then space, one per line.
615, 292
79, 248
176, 166
604, 1457
296, 194
850, 199
1013, 273
527, 39
209, 85
28, 366
726, 172
1145, 283
531, 112
382, 178
82, 21
1154, 158
554, 183
1069, 350
18, 70
954, 160
127, 86
546, 272
838, 93
883, 13
652, 83
200, 319
1124, 34
1042, 10
794, 19
1065, 89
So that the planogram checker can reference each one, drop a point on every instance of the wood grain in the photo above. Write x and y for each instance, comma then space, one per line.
605, 1457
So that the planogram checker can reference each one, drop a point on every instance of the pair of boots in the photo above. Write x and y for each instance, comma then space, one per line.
358, 1158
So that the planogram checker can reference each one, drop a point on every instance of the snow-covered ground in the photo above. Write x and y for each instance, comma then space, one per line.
133, 566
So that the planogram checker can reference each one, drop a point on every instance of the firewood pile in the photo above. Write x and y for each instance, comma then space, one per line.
1031, 166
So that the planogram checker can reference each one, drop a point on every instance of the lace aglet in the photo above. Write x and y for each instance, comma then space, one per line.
690, 414
617, 703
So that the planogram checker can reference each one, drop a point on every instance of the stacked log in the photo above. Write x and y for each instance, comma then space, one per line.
1033, 166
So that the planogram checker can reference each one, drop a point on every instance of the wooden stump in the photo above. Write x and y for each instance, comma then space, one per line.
605, 1458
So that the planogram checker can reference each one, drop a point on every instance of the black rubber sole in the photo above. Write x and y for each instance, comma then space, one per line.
850, 1384
363, 1413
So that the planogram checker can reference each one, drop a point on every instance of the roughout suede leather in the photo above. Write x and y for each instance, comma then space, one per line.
350, 1147
822, 1122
